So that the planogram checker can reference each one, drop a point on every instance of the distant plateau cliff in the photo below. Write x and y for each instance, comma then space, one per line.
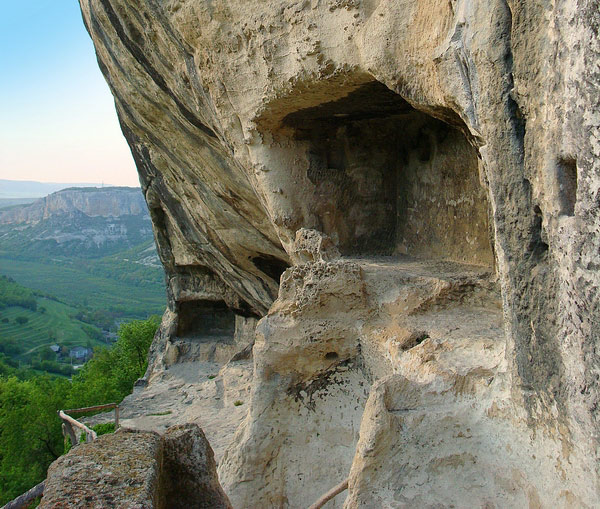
77, 221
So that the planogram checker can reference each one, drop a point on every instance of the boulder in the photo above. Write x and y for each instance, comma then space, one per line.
189, 472
137, 469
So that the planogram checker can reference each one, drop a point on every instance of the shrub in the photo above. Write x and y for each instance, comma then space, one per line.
21, 320
110, 375
92, 332
10, 347
104, 428
30, 431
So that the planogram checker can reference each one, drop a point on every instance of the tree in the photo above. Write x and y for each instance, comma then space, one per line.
30, 431
46, 354
135, 339
21, 320
110, 375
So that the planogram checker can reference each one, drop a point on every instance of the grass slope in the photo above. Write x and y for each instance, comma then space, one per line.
30, 322
83, 284
45, 328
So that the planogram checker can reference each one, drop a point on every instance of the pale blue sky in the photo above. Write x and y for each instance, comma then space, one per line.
57, 117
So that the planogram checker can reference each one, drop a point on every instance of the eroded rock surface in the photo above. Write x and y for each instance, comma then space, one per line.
189, 471
213, 396
407, 194
116, 470
138, 469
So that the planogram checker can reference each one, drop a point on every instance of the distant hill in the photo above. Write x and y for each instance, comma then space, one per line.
82, 222
13, 202
32, 189
90, 247
91, 201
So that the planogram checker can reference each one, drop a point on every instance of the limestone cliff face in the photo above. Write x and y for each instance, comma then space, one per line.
443, 158
87, 222
93, 202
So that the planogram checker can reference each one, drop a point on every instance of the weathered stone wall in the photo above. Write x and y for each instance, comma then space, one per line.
389, 179
251, 120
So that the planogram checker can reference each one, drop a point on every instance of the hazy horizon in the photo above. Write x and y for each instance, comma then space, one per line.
59, 122
25, 189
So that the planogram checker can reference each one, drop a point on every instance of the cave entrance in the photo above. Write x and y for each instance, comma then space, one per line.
392, 180
205, 320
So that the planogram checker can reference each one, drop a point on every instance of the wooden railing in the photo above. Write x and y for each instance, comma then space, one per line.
26, 498
95, 409
333, 492
90, 434
68, 431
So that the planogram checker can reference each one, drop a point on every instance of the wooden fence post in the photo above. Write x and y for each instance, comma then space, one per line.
68, 419
69, 432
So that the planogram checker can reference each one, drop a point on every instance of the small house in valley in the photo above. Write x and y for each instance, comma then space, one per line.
80, 353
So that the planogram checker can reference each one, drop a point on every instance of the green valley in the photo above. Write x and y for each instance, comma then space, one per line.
92, 248
30, 431
31, 322
73, 266
124, 288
